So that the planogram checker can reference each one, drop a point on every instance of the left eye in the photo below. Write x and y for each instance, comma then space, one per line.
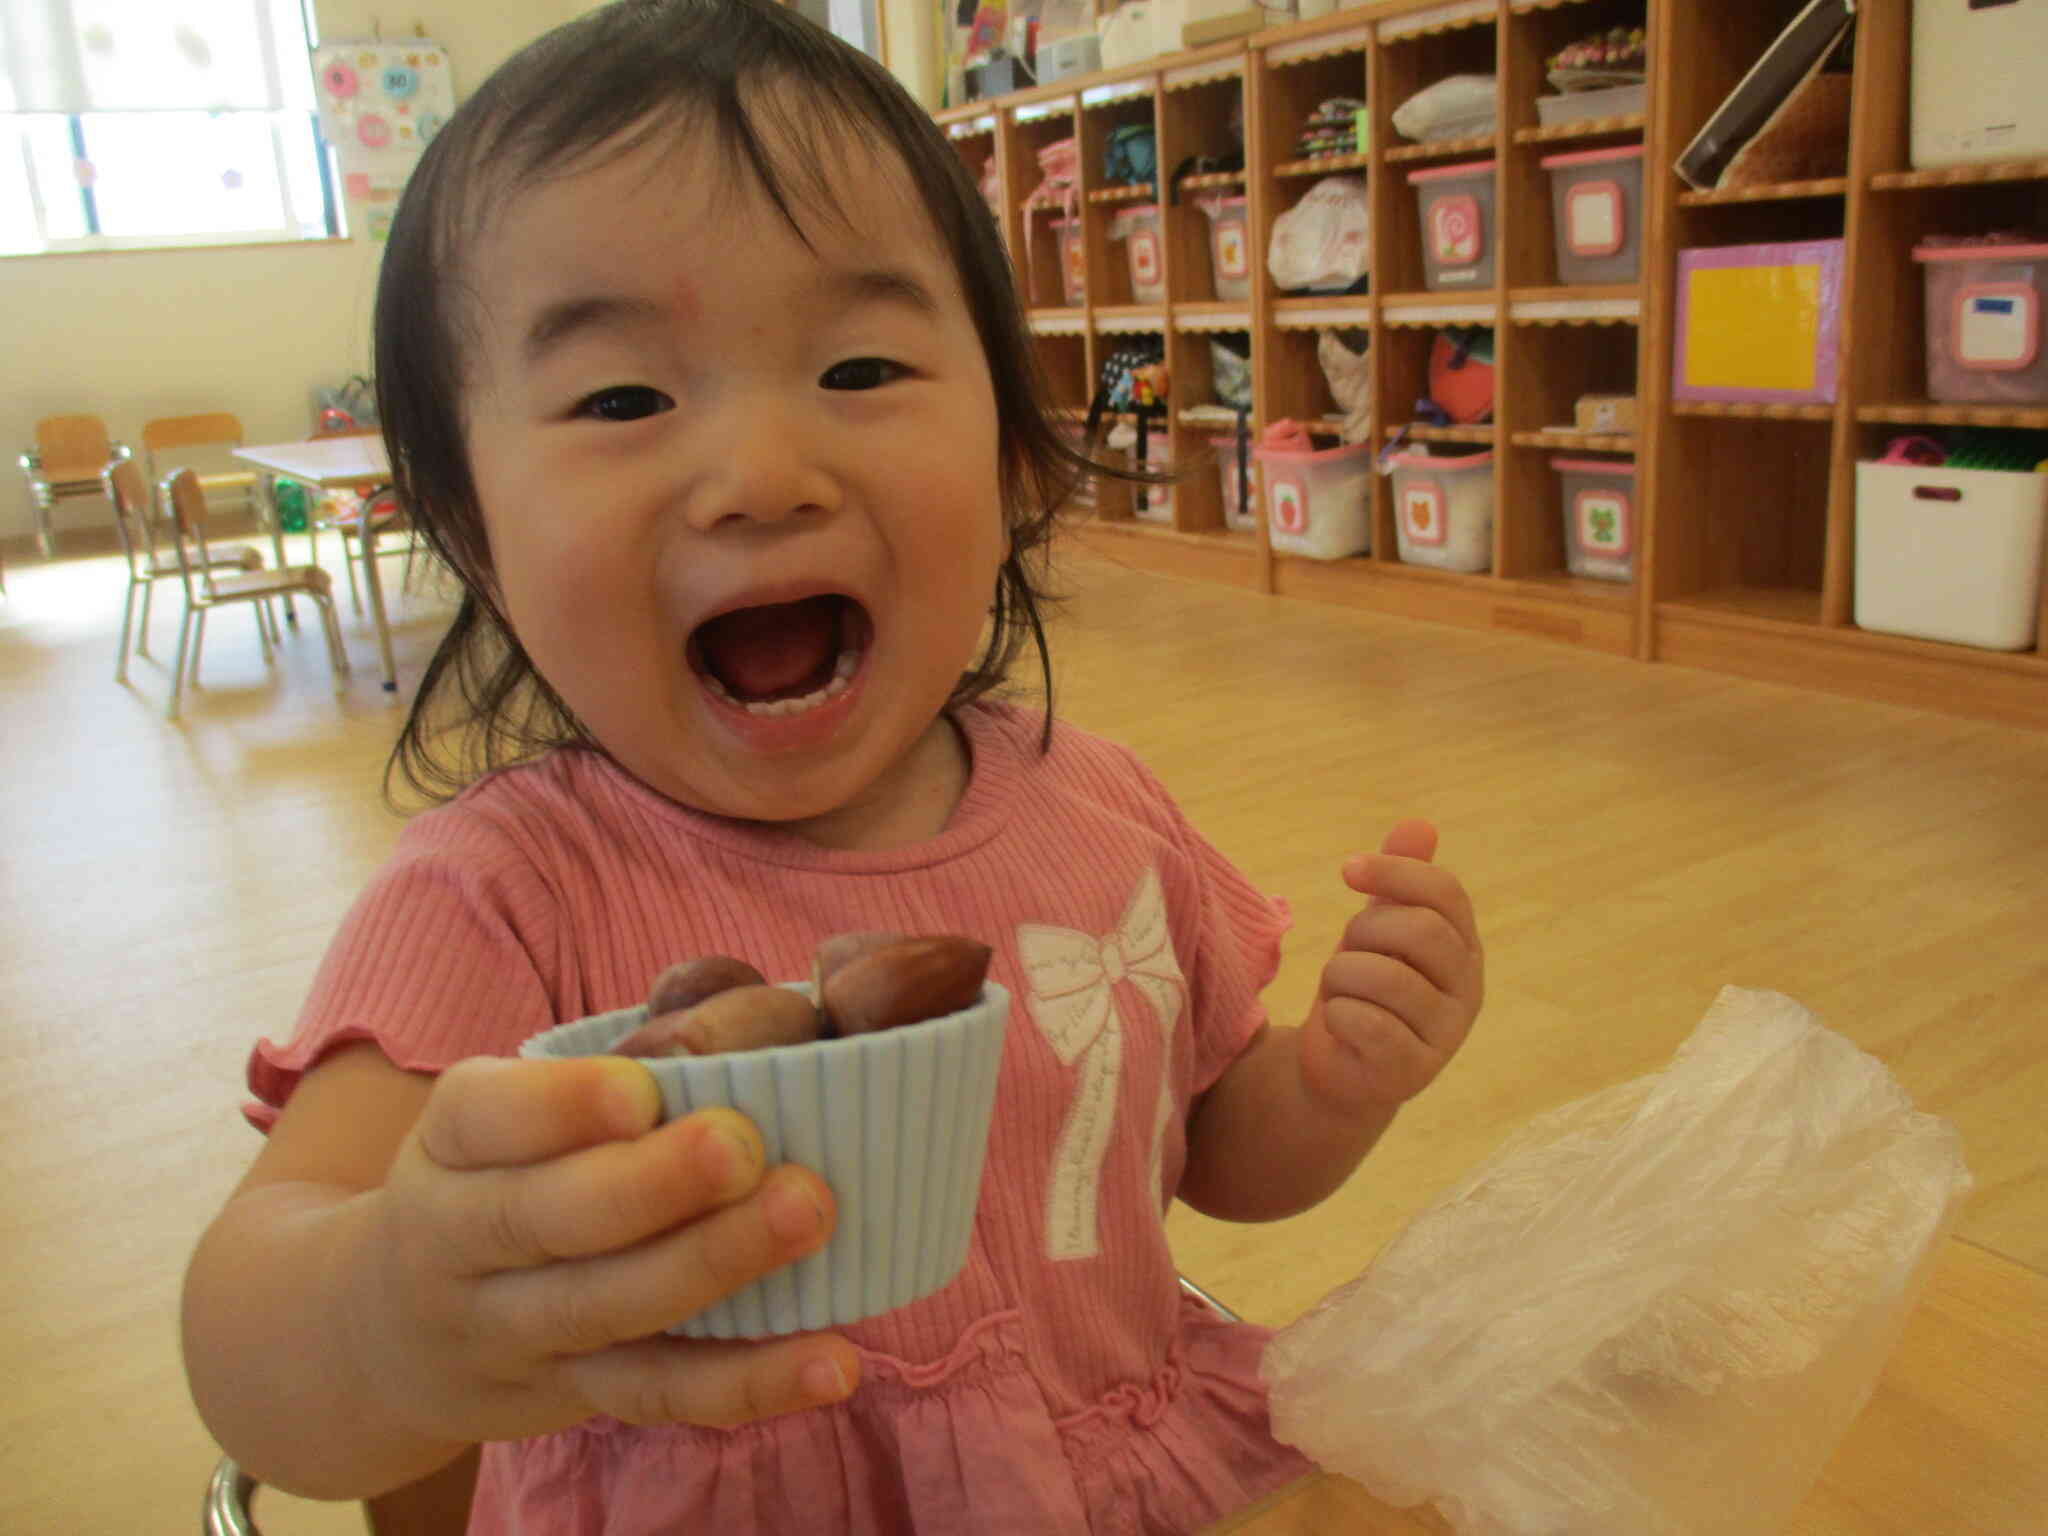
862, 373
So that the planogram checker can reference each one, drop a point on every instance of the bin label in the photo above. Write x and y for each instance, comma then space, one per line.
1998, 326
1289, 507
1230, 261
1424, 514
1454, 231
1600, 523
1593, 218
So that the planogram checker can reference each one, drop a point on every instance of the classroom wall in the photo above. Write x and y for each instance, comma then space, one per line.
128, 335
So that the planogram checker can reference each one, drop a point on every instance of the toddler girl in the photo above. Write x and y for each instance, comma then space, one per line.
701, 365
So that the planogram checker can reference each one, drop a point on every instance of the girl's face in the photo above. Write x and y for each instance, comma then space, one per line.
742, 494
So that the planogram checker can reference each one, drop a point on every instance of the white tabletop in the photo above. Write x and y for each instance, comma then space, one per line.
323, 461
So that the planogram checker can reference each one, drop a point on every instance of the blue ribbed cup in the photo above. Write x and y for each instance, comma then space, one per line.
895, 1122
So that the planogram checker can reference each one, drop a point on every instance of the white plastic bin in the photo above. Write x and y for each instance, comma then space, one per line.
1073, 261
1318, 502
1596, 201
1950, 554
1458, 235
1145, 248
1236, 514
1984, 306
1443, 510
1976, 92
1230, 257
1600, 517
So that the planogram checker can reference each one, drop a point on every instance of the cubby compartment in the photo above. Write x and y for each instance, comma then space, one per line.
1415, 53
1201, 416
1742, 526
1038, 137
974, 140
1296, 84
1128, 262
1202, 121
1555, 368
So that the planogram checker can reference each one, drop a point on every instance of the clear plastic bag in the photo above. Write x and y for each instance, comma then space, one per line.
1653, 1312
1454, 108
1323, 243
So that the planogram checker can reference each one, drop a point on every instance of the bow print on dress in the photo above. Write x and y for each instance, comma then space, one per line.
1071, 979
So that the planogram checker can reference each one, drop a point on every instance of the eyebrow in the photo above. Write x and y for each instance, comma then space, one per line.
564, 318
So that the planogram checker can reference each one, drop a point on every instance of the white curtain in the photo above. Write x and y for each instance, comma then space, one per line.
153, 55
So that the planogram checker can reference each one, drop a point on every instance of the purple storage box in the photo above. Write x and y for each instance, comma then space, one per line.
1759, 323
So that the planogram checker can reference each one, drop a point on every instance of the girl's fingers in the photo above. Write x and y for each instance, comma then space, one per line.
497, 1112
1418, 937
1393, 881
589, 1305
1394, 987
603, 1198
674, 1381
1413, 838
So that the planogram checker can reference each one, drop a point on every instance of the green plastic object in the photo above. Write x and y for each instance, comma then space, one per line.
291, 505
2002, 448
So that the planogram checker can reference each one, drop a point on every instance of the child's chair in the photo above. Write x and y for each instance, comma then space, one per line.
204, 590
344, 512
436, 1505
65, 463
219, 431
136, 522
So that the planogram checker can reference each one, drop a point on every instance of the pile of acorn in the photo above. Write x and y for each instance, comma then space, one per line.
862, 982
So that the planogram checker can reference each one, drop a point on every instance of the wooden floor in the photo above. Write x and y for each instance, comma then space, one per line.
1634, 836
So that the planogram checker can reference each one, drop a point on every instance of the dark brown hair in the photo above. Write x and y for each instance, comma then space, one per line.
607, 82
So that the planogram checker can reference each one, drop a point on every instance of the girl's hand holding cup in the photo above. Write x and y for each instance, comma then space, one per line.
539, 1229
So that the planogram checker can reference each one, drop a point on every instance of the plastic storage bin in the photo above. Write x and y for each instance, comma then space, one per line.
1600, 519
1144, 245
1984, 321
1236, 514
1950, 554
1596, 201
1456, 204
1158, 499
1318, 502
1976, 92
1443, 510
1073, 262
1230, 258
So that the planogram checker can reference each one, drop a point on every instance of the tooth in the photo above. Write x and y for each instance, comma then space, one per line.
847, 665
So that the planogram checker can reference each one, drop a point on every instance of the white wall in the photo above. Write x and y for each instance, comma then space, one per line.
128, 335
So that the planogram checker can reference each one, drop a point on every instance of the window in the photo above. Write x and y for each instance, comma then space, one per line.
158, 122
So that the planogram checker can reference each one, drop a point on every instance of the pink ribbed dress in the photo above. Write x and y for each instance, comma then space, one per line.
1061, 1383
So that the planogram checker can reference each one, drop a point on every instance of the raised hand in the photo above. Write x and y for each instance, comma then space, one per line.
1399, 996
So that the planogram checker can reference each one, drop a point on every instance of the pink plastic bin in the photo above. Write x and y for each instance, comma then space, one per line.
1601, 525
1073, 262
1230, 247
1596, 199
1144, 241
1457, 224
1984, 341
1318, 503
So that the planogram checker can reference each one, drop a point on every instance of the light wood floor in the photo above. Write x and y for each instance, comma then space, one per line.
1634, 836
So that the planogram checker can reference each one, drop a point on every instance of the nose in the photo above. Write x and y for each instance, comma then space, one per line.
765, 461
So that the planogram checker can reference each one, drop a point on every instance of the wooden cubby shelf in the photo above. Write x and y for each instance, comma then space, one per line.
1590, 128
1441, 149
1745, 557
1424, 432
1961, 175
1926, 413
1570, 439
1766, 192
1324, 165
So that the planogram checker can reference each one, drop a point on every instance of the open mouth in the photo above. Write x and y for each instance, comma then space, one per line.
782, 658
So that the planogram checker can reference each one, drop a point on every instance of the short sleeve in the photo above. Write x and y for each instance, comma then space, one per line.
446, 954
1236, 953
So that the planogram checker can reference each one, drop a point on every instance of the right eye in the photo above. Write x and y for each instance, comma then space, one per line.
625, 402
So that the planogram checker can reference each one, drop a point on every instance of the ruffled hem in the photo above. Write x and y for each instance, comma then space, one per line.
964, 1443
274, 1070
